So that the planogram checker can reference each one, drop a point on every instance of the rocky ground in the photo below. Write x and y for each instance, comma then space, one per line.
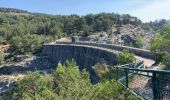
12, 72
140, 86
124, 35
6, 80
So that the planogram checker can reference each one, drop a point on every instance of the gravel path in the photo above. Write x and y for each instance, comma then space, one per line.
147, 62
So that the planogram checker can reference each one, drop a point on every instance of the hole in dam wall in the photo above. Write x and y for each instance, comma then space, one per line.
85, 56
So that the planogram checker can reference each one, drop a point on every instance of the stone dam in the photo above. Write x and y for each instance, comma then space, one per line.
87, 54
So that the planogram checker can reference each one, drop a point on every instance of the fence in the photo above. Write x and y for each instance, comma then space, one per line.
150, 84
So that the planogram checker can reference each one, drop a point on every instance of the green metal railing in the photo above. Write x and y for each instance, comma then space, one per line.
158, 81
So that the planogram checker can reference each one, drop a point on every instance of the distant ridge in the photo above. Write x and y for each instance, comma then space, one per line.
12, 10
168, 21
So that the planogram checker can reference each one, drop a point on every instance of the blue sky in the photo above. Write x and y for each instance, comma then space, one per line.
146, 10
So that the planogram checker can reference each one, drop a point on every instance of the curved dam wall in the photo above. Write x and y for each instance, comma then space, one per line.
137, 51
85, 56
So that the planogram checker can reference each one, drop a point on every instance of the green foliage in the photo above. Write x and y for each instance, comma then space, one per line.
18, 25
165, 32
161, 43
158, 25
104, 71
161, 40
101, 70
166, 60
139, 42
71, 83
60, 69
26, 44
106, 92
66, 83
2, 57
12, 10
31, 23
125, 57
159, 58
2, 40
33, 86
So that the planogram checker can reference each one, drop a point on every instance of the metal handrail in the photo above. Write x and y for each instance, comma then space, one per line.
154, 75
146, 70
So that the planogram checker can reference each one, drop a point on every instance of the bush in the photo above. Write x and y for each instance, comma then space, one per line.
159, 58
125, 57
166, 60
139, 42
33, 86
2, 57
104, 71
161, 44
26, 44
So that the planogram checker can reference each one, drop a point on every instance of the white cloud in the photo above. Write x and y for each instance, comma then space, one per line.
157, 9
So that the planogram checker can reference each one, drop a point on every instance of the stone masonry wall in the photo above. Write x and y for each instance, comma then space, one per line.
137, 51
85, 56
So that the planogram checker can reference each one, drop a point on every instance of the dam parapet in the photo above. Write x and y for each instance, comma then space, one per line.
137, 51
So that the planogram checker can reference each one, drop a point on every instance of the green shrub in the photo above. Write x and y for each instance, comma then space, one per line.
166, 60
26, 44
104, 71
2, 57
159, 58
33, 87
125, 57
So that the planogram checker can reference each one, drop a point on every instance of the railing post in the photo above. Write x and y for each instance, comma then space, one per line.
126, 75
154, 87
133, 65
158, 89
117, 73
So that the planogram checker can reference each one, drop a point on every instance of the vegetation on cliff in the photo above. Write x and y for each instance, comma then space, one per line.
67, 82
19, 26
125, 57
2, 57
161, 43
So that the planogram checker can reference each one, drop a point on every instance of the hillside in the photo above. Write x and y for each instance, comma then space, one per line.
23, 29
128, 35
12, 10
29, 70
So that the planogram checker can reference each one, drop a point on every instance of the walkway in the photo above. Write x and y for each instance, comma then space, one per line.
147, 62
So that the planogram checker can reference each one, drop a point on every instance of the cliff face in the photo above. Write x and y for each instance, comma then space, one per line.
128, 35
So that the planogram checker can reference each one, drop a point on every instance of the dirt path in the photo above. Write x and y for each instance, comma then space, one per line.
147, 62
